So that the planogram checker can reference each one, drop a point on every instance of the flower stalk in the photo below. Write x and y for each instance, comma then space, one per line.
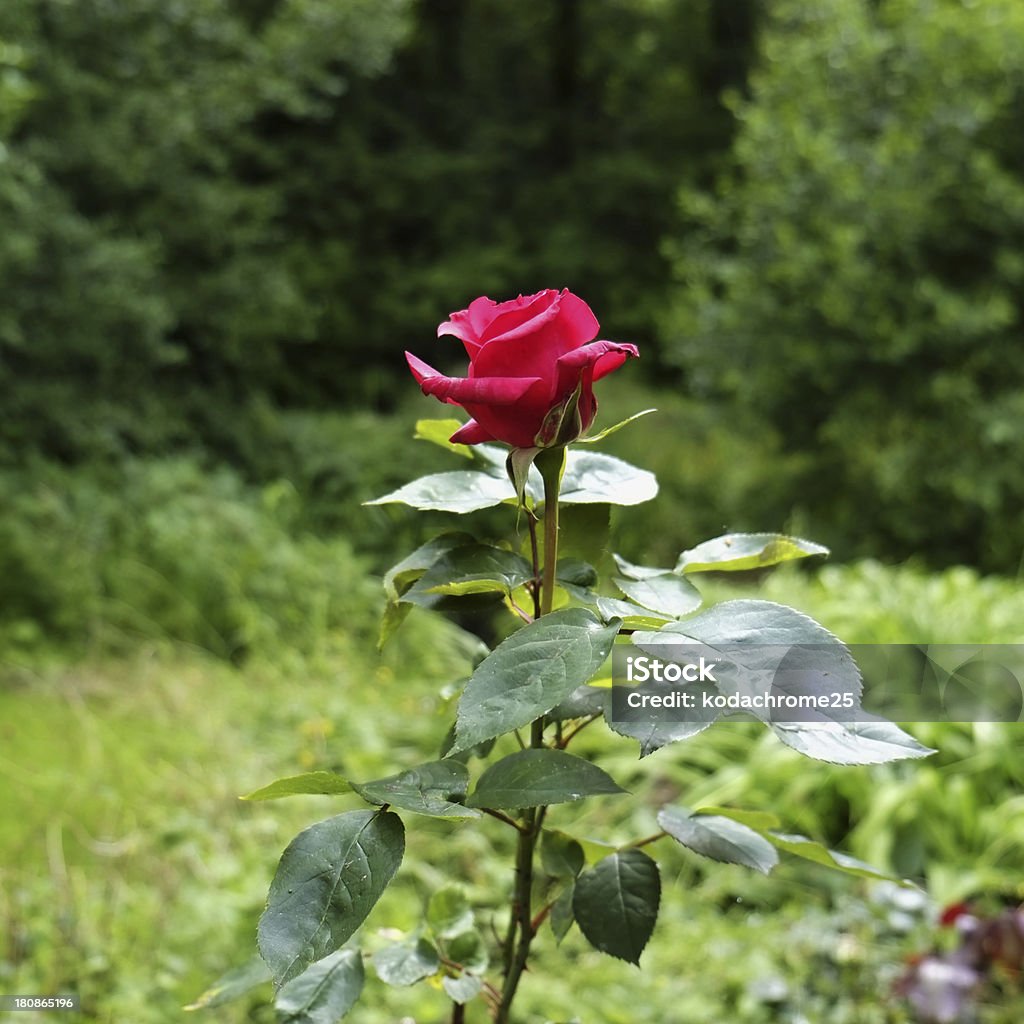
551, 464
522, 924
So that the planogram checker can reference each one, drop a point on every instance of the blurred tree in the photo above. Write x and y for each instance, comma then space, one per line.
858, 275
145, 300
213, 205
514, 147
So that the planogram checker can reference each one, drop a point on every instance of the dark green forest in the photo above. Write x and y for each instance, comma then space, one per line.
253, 202
223, 220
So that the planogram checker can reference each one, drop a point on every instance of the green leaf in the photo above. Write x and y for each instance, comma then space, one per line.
439, 431
790, 651
463, 988
529, 673
472, 568
480, 750
632, 615
800, 846
737, 552
762, 646
530, 778
405, 963
719, 838
668, 594
434, 789
324, 992
469, 949
593, 477
562, 916
758, 623
328, 880
869, 742
400, 577
393, 617
637, 572
232, 985
585, 700
449, 913
463, 490
653, 735
616, 903
759, 821
608, 431
561, 856
808, 849
491, 457
575, 572
307, 784
517, 466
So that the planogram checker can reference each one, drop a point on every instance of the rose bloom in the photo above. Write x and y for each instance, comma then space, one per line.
527, 357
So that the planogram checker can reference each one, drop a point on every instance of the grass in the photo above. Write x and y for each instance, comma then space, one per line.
134, 875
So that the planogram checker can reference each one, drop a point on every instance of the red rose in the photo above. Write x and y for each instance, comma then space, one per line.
527, 356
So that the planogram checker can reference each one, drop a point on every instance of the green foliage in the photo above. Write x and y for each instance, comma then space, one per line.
164, 550
856, 277
136, 173
329, 879
616, 903
590, 478
757, 637
324, 993
530, 673
406, 963
532, 778
332, 874
719, 838
436, 789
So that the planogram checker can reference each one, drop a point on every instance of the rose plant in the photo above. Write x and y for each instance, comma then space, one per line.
505, 763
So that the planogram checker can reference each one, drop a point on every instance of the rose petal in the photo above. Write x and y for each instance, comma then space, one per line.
577, 319
515, 424
424, 373
603, 357
469, 324
585, 365
521, 316
460, 390
471, 433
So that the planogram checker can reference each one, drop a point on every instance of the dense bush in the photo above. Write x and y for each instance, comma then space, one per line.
165, 550
857, 276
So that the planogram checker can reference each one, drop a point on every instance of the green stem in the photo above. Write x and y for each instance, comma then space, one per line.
534, 551
522, 926
502, 817
646, 841
518, 952
551, 464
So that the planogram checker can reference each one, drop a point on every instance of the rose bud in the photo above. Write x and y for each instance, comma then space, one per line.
532, 367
